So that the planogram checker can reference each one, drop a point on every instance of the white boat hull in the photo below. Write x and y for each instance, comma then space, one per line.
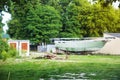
80, 45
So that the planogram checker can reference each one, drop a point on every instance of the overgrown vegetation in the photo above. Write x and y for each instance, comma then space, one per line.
6, 51
93, 67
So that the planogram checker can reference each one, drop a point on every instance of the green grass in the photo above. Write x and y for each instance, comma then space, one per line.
104, 67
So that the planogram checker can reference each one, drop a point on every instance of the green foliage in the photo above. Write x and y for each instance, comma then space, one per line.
76, 65
6, 51
3, 49
45, 24
106, 3
3, 46
1, 25
4, 55
73, 15
40, 20
12, 52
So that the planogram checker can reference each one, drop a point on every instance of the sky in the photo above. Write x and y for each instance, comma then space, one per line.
116, 4
7, 16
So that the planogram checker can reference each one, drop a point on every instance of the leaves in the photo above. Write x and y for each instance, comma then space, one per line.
40, 20
39, 23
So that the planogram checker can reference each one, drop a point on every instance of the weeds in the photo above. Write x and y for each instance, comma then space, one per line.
77, 67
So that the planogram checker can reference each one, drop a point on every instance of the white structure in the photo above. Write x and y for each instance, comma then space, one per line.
113, 45
51, 48
47, 48
22, 46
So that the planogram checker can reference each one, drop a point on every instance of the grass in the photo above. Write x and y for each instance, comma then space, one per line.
89, 66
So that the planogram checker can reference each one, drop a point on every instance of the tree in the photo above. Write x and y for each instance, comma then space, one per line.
73, 15
85, 20
98, 20
64, 4
35, 22
1, 25
46, 24
118, 22
69, 18
106, 3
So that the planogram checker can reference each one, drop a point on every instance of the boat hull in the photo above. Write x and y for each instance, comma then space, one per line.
80, 46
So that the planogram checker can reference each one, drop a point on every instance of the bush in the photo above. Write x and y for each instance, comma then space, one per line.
6, 51
4, 47
8, 54
4, 55
12, 52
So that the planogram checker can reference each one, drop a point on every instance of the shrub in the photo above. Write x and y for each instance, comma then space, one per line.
4, 47
6, 51
4, 55
12, 52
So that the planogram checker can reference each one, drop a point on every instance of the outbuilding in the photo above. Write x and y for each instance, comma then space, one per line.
22, 46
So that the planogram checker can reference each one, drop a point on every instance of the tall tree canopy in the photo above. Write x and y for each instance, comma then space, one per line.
96, 20
72, 16
40, 20
37, 23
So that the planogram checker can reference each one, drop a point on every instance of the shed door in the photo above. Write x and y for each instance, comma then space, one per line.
24, 46
13, 45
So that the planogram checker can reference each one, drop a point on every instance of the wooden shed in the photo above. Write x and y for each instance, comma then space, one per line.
22, 46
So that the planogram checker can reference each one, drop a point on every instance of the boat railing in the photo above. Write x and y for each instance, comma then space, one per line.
76, 39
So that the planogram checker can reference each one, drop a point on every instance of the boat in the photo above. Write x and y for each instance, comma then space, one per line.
79, 45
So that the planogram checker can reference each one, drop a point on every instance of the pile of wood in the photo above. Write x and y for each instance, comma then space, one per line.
49, 56
52, 56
